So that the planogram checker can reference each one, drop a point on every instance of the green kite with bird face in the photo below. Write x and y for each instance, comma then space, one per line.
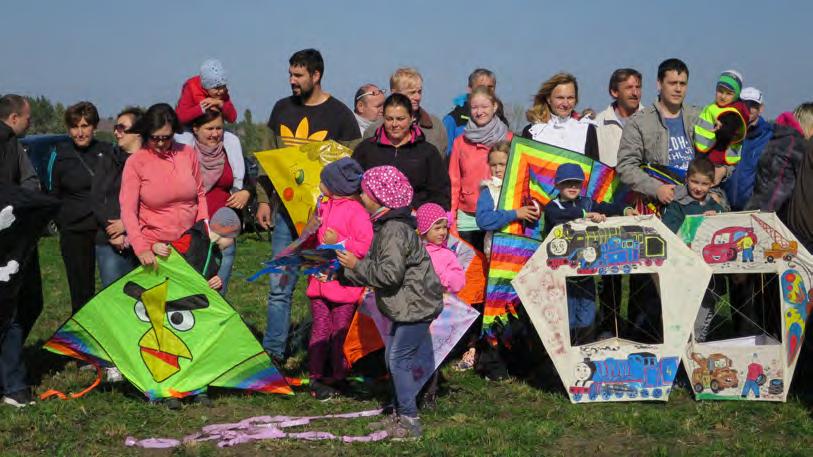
169, 334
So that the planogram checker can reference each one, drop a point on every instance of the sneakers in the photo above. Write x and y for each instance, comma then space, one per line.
388, 421
322, 392
405, 429
203, 400
467, 361
171, 403
113, 374
19, 399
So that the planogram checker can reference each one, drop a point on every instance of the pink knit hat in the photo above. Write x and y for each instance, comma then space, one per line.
388, 186
428, 214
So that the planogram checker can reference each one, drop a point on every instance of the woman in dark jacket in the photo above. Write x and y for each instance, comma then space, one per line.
401, 144
113, 252
71, 170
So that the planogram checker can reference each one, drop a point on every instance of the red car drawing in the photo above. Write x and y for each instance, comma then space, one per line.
725, 246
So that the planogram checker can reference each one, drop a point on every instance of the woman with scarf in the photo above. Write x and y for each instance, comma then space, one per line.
219, 181
468, 163
401, 143
554, 122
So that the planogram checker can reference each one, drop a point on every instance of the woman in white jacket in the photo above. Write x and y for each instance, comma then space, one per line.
552, 119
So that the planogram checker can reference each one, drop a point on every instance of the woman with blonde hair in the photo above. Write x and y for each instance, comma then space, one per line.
552, 119
468, 163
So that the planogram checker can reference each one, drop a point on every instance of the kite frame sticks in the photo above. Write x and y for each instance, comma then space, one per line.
613, 369
758, 367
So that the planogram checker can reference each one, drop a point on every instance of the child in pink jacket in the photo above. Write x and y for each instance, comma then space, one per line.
433, 226
343, 221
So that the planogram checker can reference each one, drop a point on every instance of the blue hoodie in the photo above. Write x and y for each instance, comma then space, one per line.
740, 185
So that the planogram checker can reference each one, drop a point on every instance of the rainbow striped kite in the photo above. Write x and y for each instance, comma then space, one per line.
529, 176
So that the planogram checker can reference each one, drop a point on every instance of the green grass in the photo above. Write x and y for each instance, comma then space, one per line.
473, 418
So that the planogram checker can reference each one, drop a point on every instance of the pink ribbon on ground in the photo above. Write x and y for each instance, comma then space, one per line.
262, 428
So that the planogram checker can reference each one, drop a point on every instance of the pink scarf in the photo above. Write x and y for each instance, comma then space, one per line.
212, 159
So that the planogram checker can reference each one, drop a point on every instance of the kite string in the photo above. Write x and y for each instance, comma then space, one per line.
55, 393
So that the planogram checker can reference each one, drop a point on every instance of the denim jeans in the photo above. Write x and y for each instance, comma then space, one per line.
114, 264
12, 367
281, 290
403, 347
226, 265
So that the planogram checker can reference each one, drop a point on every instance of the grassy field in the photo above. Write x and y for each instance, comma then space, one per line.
473, 417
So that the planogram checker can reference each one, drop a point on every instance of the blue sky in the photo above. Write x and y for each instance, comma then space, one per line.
116, 53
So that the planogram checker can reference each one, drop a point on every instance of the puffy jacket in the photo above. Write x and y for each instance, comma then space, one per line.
444, 261
399, 269
778, 165
645, 140
417, 159
351, 222
192, 94
468, 167
740, 185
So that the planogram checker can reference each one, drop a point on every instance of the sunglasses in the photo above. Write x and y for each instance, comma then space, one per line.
160, 138
373, 93
120, 128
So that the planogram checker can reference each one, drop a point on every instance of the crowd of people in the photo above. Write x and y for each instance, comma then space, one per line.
413, 179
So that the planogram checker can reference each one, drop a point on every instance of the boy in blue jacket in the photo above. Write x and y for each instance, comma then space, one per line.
569, 205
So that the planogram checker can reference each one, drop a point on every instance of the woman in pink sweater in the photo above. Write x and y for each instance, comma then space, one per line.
162, 194
468, 163
343, 220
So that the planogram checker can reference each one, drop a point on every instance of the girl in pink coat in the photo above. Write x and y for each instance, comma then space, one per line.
343, 221
433, 226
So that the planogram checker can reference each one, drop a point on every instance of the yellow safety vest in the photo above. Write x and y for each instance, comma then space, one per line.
704, 135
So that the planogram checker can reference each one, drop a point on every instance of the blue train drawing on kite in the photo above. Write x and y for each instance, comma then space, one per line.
606, 250
640, 375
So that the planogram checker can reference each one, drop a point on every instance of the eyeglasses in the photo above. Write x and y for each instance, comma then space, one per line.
373, 93
160, 138
121, 128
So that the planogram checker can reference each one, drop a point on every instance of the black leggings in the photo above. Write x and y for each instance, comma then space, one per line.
79, 257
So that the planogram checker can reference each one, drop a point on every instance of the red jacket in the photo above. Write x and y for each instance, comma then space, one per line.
192, 94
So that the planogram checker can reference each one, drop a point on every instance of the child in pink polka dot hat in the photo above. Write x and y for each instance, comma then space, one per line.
407, 289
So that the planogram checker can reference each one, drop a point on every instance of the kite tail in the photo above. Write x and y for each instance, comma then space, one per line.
55, 393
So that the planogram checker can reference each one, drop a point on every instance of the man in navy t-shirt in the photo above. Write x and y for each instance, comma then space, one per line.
680, 149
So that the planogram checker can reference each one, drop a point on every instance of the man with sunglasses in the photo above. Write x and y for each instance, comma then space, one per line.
369, 107
308, 115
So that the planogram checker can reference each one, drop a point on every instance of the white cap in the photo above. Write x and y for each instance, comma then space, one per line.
751, 94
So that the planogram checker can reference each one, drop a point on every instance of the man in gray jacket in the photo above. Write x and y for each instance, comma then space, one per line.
660, 134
